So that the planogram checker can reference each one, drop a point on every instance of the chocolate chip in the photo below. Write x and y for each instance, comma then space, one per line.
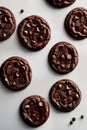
73, 119
82, 116
21, 11
71, 122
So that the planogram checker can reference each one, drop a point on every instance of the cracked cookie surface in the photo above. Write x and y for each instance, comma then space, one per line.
34, 33
16, 73
65, 95
7, 23
34, 110
61, 3
63, 57
76, 23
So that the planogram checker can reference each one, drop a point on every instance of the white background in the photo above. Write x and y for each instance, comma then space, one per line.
43, 77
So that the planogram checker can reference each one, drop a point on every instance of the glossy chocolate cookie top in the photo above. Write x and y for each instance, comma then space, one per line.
34, 110
7, 23
76, 23
61, 3
34, 32
16, 73
65, 95
63, 57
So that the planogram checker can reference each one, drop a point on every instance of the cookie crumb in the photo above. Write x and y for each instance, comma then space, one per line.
82, 116
21, 11
73, 119
71, 122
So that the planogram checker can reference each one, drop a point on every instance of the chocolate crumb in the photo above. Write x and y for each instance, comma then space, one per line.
71, 122
82, 116
73, 119
21, 11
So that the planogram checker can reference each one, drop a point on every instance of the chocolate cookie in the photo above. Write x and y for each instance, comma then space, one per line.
16, 73
65, 95
34, 110
7, 23
63, 57
61, 3
34, 32
76, 23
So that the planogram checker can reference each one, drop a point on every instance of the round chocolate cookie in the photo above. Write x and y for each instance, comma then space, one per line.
7, 23
16, 73
65, 95
61, 3
63, 57
34, 110
76, 23
34, 32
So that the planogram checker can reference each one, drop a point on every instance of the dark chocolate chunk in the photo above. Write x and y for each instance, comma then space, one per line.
34, 110
34, 33
61, 3
63, 57
65, 95
16, 73
76, 23
7, 23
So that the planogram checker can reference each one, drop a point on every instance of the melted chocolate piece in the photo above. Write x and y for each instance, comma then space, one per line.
34, 110
63, 57
65, 95
34, 32
76, 23
16, 73
7, 23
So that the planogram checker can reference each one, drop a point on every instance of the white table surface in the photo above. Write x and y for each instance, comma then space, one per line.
43, 77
